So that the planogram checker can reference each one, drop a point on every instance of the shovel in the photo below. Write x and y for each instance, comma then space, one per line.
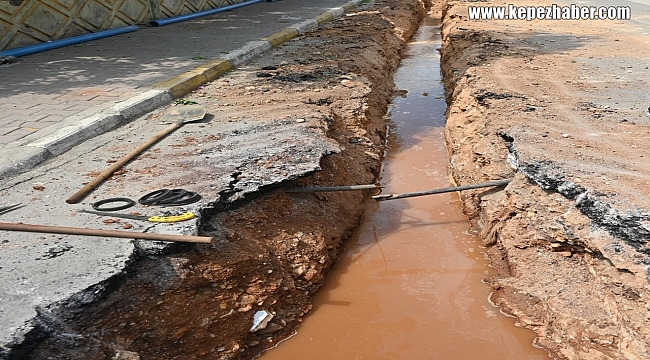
177, 117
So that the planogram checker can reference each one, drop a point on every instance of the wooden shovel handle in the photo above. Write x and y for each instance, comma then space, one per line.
121, 162
105, 233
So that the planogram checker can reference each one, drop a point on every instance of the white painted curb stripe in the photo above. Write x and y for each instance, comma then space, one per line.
248, 52
305, 26
337, 12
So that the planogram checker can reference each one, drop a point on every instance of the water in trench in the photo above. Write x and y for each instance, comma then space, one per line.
409, 285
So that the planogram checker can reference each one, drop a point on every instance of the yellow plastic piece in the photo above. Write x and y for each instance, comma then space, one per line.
171, 219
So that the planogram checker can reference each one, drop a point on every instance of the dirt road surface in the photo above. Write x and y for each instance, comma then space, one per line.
559, 106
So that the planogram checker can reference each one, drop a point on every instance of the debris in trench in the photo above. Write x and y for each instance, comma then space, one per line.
260, 320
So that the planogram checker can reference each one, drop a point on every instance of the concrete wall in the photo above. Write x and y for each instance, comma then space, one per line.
28, 22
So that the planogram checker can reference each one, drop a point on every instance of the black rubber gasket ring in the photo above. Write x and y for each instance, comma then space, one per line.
189, 197
166, 197
96, 205
153, 197
172, 196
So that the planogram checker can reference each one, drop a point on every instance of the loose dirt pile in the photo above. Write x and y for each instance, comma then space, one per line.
565, 104
273, 250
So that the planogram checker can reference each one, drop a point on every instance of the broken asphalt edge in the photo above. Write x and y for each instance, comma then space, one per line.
27, 153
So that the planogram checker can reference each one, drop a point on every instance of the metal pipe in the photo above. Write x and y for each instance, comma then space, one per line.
176, 19
440, 191
32, 49
48, 229
332, 188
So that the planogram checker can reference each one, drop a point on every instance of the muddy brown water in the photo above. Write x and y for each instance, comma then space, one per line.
409, 285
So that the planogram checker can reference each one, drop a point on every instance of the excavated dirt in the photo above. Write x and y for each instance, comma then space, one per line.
273, 250
564, 103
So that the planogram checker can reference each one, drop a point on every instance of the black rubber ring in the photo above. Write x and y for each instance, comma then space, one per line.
153, 197
166, 197
172, 196
189, 198
96, 205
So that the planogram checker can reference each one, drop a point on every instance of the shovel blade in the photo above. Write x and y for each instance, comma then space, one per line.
183, 114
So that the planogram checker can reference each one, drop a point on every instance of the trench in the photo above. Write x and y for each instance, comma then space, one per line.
409, 284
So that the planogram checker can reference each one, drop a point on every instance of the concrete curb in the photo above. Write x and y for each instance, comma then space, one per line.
248, 52
281, 37
184, 83
17, 160
28, 155
306, 26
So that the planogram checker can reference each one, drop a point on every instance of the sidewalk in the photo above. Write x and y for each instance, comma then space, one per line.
54, 100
